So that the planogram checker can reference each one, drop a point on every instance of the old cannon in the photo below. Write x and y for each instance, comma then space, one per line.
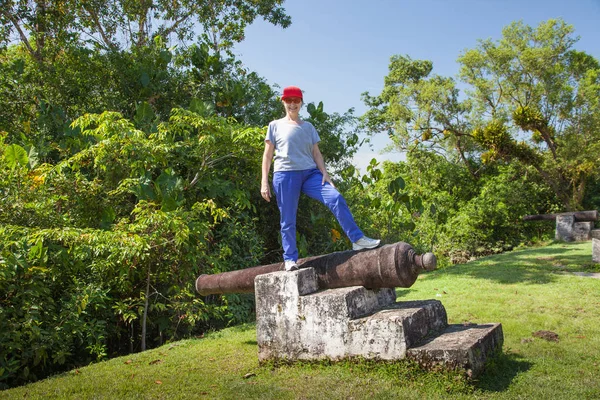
389, 266
570, 226
578, 216
343, 305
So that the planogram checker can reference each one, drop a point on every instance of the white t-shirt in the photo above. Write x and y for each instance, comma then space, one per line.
293, 144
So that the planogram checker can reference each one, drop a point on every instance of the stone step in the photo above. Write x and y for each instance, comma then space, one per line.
377, 312
343, 303
415, 319
460, 346
388, 333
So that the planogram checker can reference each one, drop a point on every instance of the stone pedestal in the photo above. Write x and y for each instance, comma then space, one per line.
568, 230
564, 227
596, 245
296, 321
582, 231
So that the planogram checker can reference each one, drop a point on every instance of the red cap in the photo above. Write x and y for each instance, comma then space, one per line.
291, 91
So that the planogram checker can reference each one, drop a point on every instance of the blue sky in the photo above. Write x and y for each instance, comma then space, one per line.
335, 50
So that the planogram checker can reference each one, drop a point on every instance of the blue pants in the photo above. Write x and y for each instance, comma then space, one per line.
288, 185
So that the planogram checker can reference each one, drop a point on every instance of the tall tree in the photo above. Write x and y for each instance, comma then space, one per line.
421, 110
73, 57
533, 84
532, 97
124, 23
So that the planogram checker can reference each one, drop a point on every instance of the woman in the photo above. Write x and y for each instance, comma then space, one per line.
299, 167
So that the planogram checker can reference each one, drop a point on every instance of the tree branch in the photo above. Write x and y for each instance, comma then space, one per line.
548, 139
109, 43
35, 54
142, 34
175, 25
556, 185
464, 159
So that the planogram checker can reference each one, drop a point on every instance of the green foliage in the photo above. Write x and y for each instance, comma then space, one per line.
108, 25
436, 205
49, 319
130, 195
114, 236
43, 90
532, 80
534, 77
530, 119
15, 155
491, 222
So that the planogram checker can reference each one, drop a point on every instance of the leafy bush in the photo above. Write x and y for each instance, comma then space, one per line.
100, 252
436, 205
491, 222
49, 319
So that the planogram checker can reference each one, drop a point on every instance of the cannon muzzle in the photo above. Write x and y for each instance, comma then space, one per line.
389, 266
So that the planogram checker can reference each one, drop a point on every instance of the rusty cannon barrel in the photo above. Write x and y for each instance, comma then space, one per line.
389, 266
580, 216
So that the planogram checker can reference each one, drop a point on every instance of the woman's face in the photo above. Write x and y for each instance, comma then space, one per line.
292, 105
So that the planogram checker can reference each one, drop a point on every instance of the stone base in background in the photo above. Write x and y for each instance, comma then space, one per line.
570, 231
596, 245
582, 231
564, 228
296, 321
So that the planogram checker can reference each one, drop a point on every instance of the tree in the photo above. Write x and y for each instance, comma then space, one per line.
422, 111
532, 98
533, 81
40, 24
111, 239
43, 89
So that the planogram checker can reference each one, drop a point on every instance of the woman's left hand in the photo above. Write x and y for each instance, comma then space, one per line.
327, 178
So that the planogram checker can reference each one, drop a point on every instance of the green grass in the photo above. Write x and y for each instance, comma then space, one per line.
526, 290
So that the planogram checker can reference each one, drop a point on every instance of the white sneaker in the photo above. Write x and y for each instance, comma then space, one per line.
365, 243
291, 266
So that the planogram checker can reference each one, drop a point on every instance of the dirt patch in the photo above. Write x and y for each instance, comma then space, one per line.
546, 335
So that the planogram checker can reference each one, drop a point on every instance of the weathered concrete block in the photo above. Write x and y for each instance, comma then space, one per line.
296, 321
595, 233
277, 296
582, 231
459, 346
385, 296
564, 227
324, 329
596, 250
388, 333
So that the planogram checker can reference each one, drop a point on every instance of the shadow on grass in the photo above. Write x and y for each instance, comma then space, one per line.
251, 342
500, 371
535, 266
244, 326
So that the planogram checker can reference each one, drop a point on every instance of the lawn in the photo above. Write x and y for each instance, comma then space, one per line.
526, 290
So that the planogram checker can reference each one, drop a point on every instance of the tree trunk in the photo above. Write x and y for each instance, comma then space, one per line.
558, 187
145, 316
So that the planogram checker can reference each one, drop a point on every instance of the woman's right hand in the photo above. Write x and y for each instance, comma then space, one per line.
265, 192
